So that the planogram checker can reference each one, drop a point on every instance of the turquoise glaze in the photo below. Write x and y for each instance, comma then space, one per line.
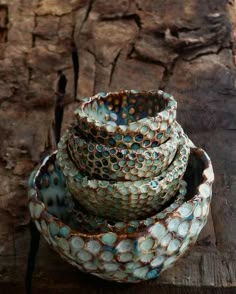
131, 115
112, 163
126, 193
124, 200
113, 255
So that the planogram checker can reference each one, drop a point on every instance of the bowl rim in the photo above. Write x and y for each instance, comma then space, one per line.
171, 106
184, 139
174, 136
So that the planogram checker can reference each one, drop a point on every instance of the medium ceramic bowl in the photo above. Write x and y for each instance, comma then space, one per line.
120, 257
95, 224
111, 163
130, 119
124, 200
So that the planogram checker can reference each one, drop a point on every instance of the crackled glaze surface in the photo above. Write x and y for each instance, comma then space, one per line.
116, 256
125, 200
129, 119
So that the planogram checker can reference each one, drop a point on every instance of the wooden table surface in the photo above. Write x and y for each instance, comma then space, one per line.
184, 47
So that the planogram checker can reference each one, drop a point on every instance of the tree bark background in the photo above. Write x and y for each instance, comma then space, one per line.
184, 47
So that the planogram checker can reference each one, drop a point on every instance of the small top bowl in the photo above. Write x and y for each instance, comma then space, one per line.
117, 256
127, 119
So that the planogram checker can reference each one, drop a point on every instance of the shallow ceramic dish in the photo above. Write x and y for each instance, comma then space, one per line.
130, 119
111, 163
120, 257
124, 200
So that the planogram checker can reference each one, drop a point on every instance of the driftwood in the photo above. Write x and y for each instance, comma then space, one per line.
54, 52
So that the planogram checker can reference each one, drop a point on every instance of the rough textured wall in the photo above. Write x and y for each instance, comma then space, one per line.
185, 47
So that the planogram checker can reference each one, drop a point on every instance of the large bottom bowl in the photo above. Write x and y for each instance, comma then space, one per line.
117, 256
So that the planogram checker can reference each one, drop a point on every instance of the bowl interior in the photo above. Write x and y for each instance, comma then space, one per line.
52, 191
197, 162
124, 107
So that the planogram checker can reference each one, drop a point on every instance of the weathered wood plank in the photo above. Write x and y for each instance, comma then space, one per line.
131, 290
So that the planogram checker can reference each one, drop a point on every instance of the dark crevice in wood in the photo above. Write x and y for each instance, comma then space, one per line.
137, 6
137, 20
95, 80
34, 246
131, 50
75, 62
133, 54
14, 247
75, 49
33, 33
74, 57
33, 40
214, 227
114, 63
3, 23
3, 35
133, 16
30, 71
201, 268
168, 69
175, 31
49, 146
206, 241
59, 107
96, 58
229, 270
168, 72
89, 8
217, 52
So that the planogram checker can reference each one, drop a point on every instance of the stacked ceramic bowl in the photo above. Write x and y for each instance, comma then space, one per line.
127, 192
126, 155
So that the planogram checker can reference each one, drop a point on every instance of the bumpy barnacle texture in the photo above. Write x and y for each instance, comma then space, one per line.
113, 255
127, 192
